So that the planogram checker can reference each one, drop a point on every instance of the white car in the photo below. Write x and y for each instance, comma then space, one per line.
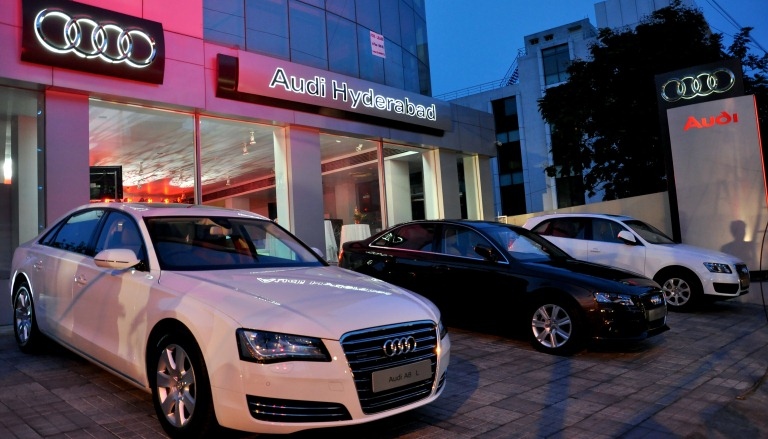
687, 274
227, 319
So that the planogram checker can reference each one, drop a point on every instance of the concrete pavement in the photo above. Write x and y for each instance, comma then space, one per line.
705, 378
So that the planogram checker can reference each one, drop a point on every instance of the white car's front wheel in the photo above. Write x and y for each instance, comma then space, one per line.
180, 388
681, 290
28, 337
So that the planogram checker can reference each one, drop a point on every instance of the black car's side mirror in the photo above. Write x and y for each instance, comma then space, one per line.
627, 238
486, 253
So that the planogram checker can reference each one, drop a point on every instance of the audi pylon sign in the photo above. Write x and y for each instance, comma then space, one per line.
702, 83
81, 37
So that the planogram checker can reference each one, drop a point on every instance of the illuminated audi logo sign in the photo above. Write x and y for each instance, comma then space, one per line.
399, 346
87, 38
703, 84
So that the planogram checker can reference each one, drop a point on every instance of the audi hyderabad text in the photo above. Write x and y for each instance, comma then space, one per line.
500, 277
227, 319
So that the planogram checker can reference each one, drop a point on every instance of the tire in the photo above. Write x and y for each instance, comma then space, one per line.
556, 328
181, 390
28, 336
682, 290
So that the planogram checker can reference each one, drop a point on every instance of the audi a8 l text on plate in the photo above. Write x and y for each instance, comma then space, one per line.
227, 319
494, 275
687, 274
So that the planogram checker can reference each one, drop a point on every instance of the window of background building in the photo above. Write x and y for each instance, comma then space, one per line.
154, 150
308, 38
509, 158
238, 165
555, 61
266, 27
342, 36
22, 213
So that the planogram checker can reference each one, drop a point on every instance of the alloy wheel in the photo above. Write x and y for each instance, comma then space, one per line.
552, 326
176, 386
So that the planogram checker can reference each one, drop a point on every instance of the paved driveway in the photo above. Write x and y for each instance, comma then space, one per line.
701, 379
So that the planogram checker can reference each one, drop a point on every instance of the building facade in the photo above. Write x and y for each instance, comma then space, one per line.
313, 113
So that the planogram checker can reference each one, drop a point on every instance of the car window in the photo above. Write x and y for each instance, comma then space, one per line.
605, 230
120, 231
566, 227
76, 233
523, 245
461, 241
214, 243
410, 237
649, 233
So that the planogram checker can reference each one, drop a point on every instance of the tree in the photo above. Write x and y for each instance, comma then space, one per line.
604, 120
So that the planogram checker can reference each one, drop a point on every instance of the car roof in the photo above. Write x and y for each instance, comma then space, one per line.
171, 209
584, 215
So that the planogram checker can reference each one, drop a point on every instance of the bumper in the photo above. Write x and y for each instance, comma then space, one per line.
272, 393
623, 323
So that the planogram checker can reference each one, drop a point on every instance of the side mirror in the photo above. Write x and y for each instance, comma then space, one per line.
486, 253
627, 237
116, 258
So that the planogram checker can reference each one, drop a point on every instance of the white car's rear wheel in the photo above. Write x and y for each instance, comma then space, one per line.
28, 337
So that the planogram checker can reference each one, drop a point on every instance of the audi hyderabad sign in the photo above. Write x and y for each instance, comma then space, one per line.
76, 36
700, 84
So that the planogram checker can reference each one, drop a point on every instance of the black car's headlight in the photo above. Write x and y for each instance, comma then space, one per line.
272, 347
616, 298
715, 267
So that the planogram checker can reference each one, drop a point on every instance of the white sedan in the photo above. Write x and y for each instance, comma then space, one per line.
227, 319
687, 274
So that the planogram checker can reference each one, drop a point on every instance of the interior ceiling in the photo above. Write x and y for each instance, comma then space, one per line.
156, 149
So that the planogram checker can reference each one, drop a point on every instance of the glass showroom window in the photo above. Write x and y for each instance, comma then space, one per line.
238, 165
405, 185
141, 154
351, 189
22, 212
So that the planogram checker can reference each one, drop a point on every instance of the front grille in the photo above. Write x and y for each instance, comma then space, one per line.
365, 353
652, 304
286, 410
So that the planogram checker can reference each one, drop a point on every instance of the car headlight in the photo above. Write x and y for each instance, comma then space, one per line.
715, 267
619, 299
272, 347
443, 329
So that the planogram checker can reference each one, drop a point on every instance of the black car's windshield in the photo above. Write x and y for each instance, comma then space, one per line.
523, 245
217, 243
648, 232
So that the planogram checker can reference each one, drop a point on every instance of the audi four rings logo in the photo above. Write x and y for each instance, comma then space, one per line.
399, 346
87, 38
703, 84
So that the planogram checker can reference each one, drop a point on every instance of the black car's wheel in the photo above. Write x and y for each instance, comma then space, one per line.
682, 290
181, 390
556, 328
25, 329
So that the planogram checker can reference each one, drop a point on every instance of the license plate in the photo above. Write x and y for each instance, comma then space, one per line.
656, 314
402, 375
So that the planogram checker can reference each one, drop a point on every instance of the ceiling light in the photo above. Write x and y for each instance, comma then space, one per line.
245, 148
228, 182
253, 139
359, 147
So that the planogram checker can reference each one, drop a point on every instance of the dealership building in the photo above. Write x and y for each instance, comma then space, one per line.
315, 114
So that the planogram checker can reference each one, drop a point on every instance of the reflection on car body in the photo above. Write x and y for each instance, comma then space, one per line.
226, 318
500, 275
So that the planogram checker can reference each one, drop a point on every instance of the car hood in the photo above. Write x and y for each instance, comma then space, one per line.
693, 253
324, 302
593, 276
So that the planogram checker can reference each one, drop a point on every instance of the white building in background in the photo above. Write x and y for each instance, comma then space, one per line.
523, 140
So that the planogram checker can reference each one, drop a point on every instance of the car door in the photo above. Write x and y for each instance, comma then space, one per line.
404, 256
109, 306
568, 233
605, 247
60, 255
469, 290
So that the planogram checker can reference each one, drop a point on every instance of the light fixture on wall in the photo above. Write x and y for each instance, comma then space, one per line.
245, 148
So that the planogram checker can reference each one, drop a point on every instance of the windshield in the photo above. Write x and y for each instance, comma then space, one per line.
217, 243
648, 232
523, 245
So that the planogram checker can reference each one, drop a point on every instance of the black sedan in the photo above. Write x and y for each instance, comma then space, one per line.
508, 277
